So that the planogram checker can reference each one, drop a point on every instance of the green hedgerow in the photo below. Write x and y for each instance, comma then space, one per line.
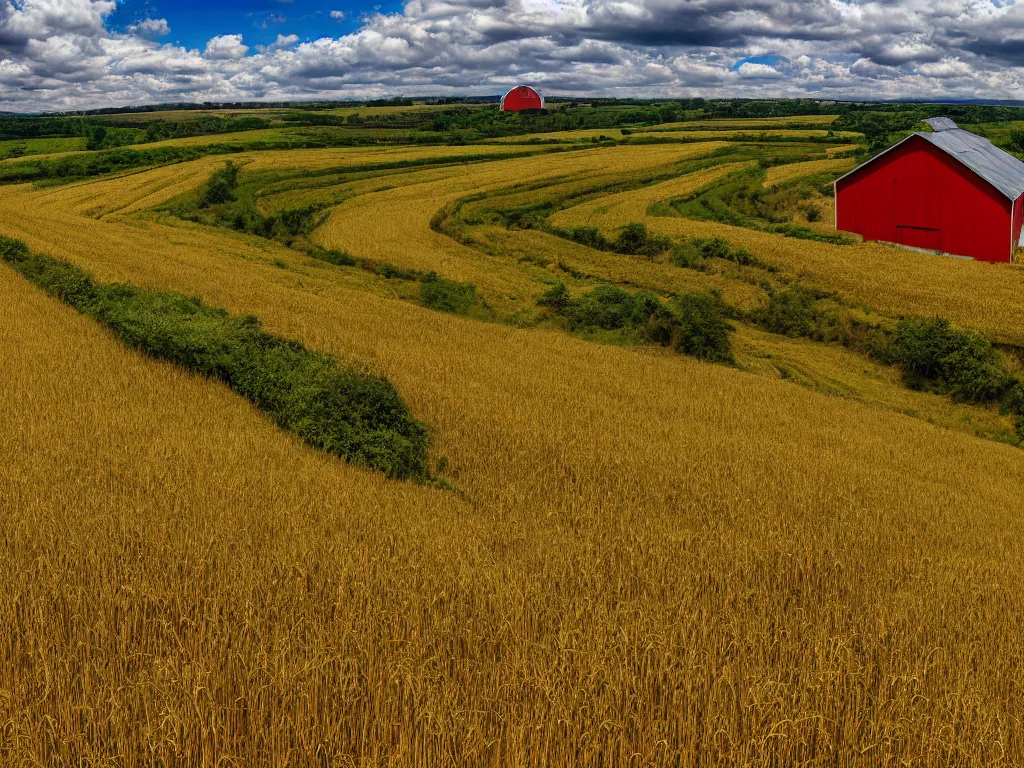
961, 363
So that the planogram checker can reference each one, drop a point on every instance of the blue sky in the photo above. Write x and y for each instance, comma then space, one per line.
194, 22
74, 54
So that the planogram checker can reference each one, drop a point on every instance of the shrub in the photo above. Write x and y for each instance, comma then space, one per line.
590, 237
698, 327
347, 413
961, 363
607, 307
221, 186
557, 298
610, 308
634, 239
790, 312
713, 247
1013, 402
391, 272
337, 258
703, 330
691, 254
447, 295
688, 256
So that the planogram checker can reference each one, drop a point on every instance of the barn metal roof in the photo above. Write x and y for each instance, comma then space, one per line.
1000, 169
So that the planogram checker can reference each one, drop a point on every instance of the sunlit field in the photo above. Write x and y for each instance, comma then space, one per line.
626, 553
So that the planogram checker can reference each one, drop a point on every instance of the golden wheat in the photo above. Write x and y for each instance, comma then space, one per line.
666, 132
780, 174
647, 561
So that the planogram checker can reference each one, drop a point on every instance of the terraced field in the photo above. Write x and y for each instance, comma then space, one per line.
625, 554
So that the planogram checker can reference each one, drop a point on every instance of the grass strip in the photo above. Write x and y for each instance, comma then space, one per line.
350, 414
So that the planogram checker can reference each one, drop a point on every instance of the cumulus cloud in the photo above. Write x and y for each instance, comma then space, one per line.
61, 54
754, 69
150, 28
282, 42
226, 47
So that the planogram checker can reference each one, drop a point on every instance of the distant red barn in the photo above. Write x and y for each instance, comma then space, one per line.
948, 191
522, 97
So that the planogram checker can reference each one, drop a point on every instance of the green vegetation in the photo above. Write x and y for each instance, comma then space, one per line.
224, 202
447, 295
742, 201
693, 253
347, 413
963, 364
337, 258
89, 164
633, 240
696, 325
221, 186
932, 353
702, 330
795, 312
162, 130
15, 148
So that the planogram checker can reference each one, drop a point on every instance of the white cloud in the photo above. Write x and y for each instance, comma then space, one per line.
58, 54
282, 42
753, 69
226, 47
150, 28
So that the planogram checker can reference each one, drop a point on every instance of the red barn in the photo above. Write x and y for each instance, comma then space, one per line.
522, 97
948, 191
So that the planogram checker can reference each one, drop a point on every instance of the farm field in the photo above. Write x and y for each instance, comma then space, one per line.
684, 505
27, 147
664, 133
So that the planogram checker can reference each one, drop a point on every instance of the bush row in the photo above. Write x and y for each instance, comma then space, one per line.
633, 240
693, 253
741, 200
436, 292
350, 414
932, 353
221, 203
694, 324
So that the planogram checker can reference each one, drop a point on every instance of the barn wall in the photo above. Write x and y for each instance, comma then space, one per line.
918, 195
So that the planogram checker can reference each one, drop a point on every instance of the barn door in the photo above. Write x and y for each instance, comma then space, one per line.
916, 205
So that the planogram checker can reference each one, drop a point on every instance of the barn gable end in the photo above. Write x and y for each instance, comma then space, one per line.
948, 191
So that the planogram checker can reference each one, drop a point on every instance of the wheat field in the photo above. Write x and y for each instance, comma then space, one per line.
643, 560
888, 279
780, 174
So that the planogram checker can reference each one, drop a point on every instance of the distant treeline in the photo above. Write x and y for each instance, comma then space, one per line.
880, 123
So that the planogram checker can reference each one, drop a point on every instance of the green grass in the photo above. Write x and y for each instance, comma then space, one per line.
742, 201
27, 147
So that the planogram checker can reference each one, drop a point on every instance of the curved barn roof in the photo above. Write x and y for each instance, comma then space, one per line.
1000, 169
522, 97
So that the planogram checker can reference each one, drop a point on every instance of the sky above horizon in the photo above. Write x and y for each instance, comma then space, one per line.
77, 54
